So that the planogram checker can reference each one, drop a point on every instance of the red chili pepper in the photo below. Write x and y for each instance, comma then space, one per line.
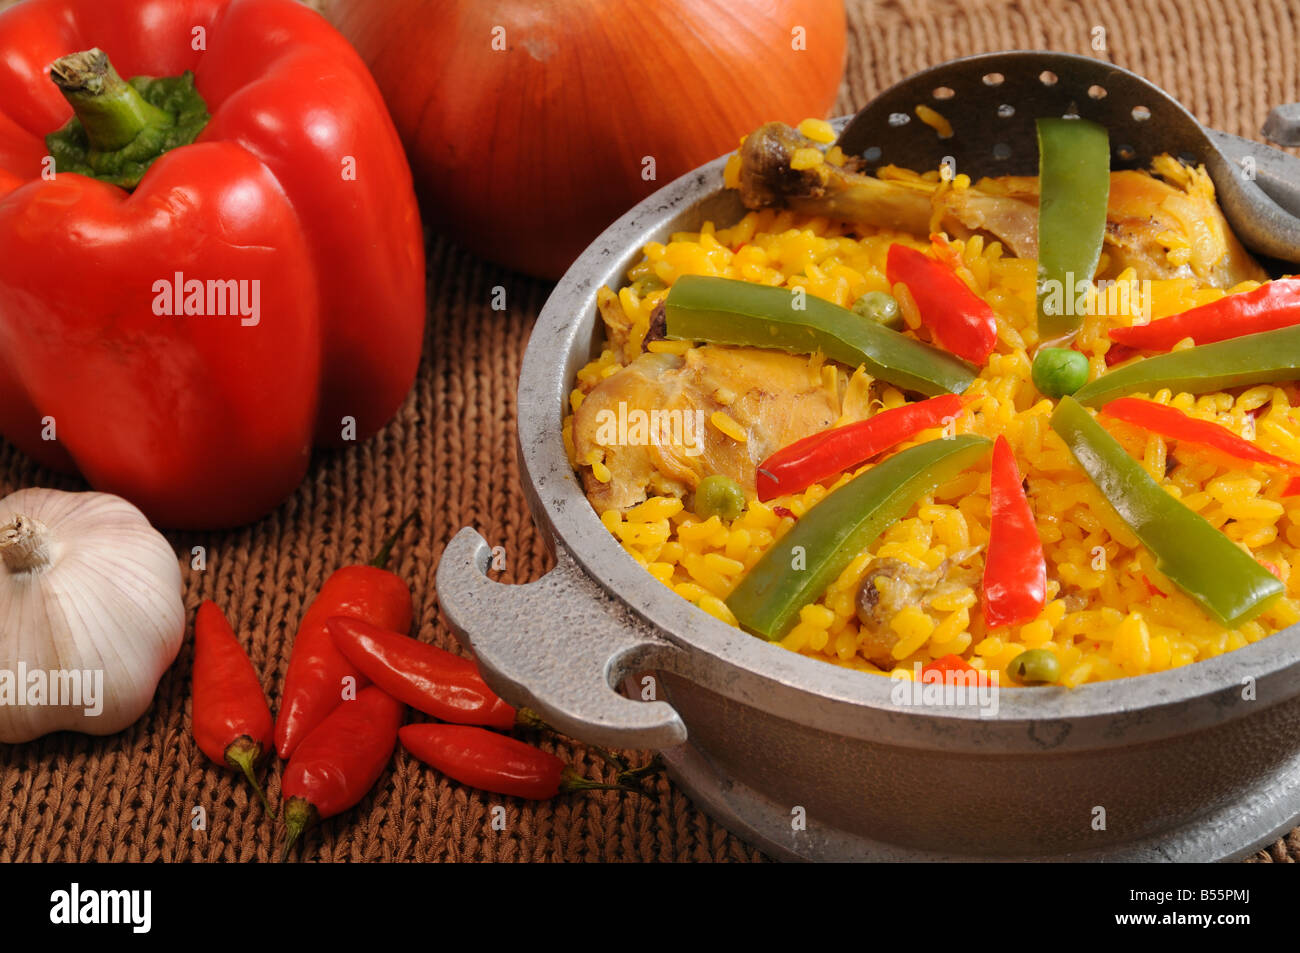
1173, 423
1269, 307
427, 678
784, 512
231, 719
954, 669
831, 452
314, 683
1015, 573
498, 763
961, 320
339, 761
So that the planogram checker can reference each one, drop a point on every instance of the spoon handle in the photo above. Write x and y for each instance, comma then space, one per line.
1283, 125
1277, 173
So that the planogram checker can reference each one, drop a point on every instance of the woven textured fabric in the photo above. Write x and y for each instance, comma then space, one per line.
450, 455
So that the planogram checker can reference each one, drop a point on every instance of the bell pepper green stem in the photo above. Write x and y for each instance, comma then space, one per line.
1265, 358
120, 127
1222, 579
797, 569
725, 311
1074, 186
111, 110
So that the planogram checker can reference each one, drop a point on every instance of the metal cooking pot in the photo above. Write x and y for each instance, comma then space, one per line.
808, 760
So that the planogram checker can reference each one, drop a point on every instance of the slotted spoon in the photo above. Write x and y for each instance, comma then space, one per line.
992, 100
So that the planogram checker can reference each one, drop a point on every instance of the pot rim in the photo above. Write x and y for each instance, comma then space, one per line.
562, 340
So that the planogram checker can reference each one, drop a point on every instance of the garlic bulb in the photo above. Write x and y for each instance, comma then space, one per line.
90, 613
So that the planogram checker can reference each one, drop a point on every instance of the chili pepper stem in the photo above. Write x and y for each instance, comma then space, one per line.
111, 110
244, 753
527, 718
571, 780
381, 558
298, 816
651, 767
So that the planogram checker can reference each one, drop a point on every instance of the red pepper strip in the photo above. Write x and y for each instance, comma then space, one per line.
831, 452
1269, 307
1119, 353
314, 682
945, 251
339, 761
427, 678
953, 669
961, 321
1015, 573
1151, 587
1173, 423
231, 719
497, 763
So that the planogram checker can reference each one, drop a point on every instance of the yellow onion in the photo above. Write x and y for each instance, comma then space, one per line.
532, 124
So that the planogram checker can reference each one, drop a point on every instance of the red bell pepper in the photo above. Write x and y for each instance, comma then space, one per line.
184, 341
1173, 423
1015, 573
828, 453
1269, 307
954, 670
961, 320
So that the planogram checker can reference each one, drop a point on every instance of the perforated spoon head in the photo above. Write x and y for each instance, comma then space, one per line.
992, 101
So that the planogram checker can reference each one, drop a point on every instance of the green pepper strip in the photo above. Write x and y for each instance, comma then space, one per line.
1224, 581
725, 311
1074, 186
1265, 358
797, 569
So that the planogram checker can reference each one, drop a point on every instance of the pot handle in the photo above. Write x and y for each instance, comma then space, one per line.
558, 646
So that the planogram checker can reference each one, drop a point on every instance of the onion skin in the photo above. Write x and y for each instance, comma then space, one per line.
525, 155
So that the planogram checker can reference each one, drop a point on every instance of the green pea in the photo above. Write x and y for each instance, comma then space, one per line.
1035, 667
1059, 371
881, 308
719, 496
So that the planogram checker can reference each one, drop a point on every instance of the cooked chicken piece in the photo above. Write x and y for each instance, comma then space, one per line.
650, 423
1145, 216
618, 326
891, 585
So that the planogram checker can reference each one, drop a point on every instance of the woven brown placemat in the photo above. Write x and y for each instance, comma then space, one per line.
450, 455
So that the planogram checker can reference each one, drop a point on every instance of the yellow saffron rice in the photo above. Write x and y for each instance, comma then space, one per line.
1109, 612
